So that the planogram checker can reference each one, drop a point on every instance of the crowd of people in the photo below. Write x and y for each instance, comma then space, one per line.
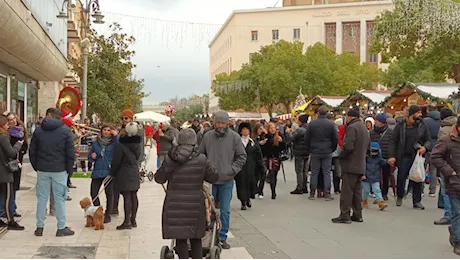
351, 156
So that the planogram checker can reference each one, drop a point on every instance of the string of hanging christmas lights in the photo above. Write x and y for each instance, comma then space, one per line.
435, 17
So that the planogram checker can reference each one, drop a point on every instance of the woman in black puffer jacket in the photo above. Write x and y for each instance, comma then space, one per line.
184, 210
125, 170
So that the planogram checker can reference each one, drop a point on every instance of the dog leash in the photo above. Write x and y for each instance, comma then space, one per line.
105, 182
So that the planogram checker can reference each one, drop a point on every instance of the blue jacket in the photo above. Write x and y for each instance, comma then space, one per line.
433, 122
374, 164
102, 164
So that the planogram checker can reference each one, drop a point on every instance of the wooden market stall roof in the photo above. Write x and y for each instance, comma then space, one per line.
331, 102
245, 115
376, 97
435, 92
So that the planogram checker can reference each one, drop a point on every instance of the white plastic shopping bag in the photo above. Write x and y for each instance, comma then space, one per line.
417, 171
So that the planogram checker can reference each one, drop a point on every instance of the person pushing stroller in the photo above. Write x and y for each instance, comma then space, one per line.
184, 210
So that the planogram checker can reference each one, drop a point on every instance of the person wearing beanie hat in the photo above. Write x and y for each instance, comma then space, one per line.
246, 179
446, 158
353, 167
410, 137
446, 112
206, 127
168, 139
227, 154
448, 119
433, 122
382, 134
184, 170
300, 156
196, 125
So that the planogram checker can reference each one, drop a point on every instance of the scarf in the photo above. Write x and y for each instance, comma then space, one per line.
245, 140
104, 141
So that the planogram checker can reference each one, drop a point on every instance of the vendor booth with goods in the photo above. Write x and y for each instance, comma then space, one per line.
368, 101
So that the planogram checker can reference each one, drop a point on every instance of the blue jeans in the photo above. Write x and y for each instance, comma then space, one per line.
3, 204
455, 203
375, 189
446, 202
223, 193
158, 162
58, 182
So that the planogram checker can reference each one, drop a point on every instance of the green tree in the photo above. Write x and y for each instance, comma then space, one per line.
189, 112
417, 43
112, 86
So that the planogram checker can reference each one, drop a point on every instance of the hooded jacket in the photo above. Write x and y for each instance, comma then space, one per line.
374, 164
226, 153
446, 125
433, 123
52, 147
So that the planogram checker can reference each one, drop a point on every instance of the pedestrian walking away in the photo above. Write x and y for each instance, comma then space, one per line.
301, 156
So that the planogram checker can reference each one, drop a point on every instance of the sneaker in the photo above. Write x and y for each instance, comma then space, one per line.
72, 186
328, 197
443, 221
64, 232
296, 192
340, 220
336, 193
399, 202
261, 197
432, 195
125, 226
69, 198
13, 225
357, 219
38, 232
224, 244
248, 203
419, 206
107, 219
385, 197
312, 196
243, 207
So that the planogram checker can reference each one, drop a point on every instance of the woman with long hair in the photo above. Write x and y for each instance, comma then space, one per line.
246, 178
8, 154
259, 134
273, 148
125, 170
101, 155
184, 210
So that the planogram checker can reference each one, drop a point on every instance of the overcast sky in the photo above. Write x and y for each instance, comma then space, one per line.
173, 57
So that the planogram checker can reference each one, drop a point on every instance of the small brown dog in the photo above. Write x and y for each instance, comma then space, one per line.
94, 214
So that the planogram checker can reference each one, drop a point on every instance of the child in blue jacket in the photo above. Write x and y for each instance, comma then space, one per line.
374, 164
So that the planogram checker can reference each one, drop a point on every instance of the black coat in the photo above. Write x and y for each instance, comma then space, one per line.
269, 150
298, 139
245, 179
382, 136
7, 153
184, 210
321, 136
125, 167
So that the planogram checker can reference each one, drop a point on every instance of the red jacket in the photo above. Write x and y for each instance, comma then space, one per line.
148, 130
341, 134
156, 137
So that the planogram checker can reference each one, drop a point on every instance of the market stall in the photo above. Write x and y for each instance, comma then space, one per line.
245, 116
331, 103
367, 100
150, 116
284, 117
421, 94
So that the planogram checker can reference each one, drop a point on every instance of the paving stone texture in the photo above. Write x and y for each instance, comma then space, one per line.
289, 227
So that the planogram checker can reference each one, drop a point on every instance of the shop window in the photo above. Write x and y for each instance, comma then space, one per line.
3, 95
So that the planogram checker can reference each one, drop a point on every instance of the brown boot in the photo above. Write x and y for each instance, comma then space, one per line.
365, 206
382, 205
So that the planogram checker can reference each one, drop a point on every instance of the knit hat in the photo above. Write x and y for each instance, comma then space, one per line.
303, 118
244, 125
353, 113
445, 112
128, 113
207, 123
414, 109
196, 120
338, 122
382, 118
132, 128
221, 117
187, 136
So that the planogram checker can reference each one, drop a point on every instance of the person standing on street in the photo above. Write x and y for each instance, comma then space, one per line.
433, 122
353, 165
168, 139
446, 157
300, 155
321, 140
148, 134
410, 137
226, 152
52, 155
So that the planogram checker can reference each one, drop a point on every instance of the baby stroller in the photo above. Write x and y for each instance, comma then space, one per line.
143, 171
210, 241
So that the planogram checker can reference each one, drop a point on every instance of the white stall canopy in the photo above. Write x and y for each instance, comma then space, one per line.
151, 116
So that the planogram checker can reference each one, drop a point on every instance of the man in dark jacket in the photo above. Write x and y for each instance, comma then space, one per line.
300, 155
196, 125
353, 165
446, 158
227, 154
168, 139
382, 134
410, 137
52, 155
321, 140
433, 122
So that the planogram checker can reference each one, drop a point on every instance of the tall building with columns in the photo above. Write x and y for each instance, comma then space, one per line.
343, 25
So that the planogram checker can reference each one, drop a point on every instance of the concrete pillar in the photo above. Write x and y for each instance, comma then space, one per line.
338, 37
363, 41
47, 95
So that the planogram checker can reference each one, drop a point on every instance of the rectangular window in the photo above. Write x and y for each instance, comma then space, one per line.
275, 35
254, 35
373, 58
296, 34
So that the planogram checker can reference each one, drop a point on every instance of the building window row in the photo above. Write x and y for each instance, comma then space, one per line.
225, 67
276, 34
222, 50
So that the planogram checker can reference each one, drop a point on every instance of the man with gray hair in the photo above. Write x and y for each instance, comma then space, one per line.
168, 138
227, 154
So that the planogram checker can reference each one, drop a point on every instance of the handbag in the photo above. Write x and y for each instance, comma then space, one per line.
12, 166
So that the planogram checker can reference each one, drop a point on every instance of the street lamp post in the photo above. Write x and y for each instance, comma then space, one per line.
91, 9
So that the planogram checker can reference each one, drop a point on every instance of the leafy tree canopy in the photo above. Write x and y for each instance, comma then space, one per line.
278, 71
112, 86
410, 39
189, 112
